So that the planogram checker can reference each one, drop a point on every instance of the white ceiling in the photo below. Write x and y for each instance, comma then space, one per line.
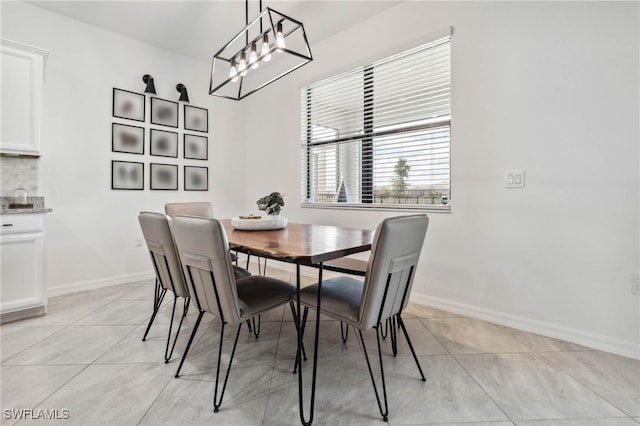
199, 28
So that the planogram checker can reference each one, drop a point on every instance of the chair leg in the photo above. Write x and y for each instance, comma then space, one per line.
384, 333
186, 350
413, 352
167, 354
295, 321
390, 326
393, 333
158, 296
249, 325
383, 411
217, 402
302, 327
262, 270
256, 328
344, 331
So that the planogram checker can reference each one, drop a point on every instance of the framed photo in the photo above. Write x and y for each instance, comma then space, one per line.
125, 138
127, 175
128, 105
196, 178
164, 177
196, 119
164, 113
163, 143
195, 147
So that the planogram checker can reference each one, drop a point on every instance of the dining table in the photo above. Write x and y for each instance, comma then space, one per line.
303, 245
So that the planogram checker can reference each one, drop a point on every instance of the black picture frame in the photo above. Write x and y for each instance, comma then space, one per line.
127, 139
196, 119
163, 143
196, 178
127, 175
195, 147
163, 177
128, 105
164, 112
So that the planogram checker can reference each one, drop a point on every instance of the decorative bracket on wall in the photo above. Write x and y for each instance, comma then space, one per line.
184, 96
151, 87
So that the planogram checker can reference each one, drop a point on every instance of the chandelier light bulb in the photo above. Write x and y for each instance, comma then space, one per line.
266, 50
280, 37
242, 66
253, 57
233, 72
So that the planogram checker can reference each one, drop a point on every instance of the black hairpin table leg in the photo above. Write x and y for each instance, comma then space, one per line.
304, 421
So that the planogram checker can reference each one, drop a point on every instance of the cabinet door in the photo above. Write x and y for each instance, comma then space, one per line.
21, 284
22, 87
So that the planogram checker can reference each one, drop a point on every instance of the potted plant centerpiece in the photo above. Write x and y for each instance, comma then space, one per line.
272, 205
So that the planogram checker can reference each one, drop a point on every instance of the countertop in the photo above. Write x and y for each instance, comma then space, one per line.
37, 206
26, 211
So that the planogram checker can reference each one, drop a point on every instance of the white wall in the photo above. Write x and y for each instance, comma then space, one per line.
91, 234
550, 88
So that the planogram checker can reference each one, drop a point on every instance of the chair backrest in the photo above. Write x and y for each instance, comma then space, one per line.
199, 209
204, 252
394, 256
164, 256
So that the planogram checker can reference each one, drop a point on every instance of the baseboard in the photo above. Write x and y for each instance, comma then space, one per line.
580, 337
101, 283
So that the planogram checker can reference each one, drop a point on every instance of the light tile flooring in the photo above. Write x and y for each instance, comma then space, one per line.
86, 360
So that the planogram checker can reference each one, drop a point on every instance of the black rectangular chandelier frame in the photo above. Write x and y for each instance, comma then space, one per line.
230, 65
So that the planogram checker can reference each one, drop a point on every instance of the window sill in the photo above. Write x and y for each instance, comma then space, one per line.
379, 207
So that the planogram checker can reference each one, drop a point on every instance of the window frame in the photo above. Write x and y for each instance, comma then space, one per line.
366, 138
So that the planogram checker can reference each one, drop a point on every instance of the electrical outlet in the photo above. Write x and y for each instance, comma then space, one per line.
635, 284
514, 179
139, 241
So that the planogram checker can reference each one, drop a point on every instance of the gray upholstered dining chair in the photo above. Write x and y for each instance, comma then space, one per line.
169, 277
204, 252
205, 209
385, 291
195, 208
199, 208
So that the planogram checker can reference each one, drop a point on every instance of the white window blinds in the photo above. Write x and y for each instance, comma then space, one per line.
380, 135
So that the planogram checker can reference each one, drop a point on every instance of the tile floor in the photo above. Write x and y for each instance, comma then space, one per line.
84, 362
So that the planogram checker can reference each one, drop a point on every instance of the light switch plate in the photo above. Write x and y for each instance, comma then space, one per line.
514, 179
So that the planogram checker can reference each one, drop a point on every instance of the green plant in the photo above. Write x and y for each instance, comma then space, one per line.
272, 203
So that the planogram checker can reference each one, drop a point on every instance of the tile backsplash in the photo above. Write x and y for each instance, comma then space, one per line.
18, 173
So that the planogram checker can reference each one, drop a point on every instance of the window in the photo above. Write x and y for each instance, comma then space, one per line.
379, 136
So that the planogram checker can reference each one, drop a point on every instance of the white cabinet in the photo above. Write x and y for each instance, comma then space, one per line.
22, 289
22, 90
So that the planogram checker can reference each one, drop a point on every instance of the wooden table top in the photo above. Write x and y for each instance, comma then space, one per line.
301, 243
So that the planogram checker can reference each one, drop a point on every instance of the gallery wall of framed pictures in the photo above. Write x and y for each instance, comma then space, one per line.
173, 144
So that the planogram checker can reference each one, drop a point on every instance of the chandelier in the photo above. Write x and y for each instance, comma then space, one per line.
267, 49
